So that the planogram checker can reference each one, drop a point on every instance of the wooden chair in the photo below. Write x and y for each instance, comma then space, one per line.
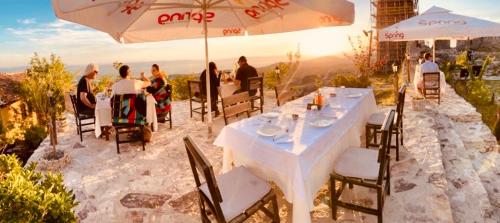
195, 95
431, 89
366, 168
231, 197
257, 83
129, 117
283, 95
376, 120
81, 119
236, 104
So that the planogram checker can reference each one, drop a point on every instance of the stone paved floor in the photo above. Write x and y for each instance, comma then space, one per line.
448, 172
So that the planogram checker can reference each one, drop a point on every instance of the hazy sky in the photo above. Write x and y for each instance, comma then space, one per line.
28, 26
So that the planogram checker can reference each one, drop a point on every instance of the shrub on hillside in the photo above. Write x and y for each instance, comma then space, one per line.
29, 196
34, 136
351, 81
180, 86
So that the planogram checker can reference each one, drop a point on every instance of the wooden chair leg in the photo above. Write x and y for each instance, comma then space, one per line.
379, 204
276, 218
367, 136
388, 182
333, 198
397, 145
142, 139
203, 112
170, 118
117, 140
261, 105
191, 107
80, 130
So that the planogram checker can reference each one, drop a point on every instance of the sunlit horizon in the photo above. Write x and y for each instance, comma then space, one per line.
30, 26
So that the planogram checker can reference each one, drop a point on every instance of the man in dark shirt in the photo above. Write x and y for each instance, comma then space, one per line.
85, 98
242, 74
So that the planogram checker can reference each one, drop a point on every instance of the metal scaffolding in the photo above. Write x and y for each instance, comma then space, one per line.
385, 13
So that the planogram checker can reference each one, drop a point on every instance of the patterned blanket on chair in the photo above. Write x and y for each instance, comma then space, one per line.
129, 109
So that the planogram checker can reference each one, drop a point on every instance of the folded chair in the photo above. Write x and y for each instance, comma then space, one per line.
129, 117
432, 88
256, 83
235, 105
366, 168
195, 95
376, 120
233, 196
81, 119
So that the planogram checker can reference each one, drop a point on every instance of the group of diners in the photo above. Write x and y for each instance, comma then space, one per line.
86, 100
241, 83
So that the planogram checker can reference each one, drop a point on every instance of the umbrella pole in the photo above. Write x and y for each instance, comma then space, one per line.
207, 71
433, 50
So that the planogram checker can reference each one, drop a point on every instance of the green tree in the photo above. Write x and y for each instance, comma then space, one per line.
43, 76
30, 196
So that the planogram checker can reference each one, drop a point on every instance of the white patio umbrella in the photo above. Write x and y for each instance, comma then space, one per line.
135, 21
439, 24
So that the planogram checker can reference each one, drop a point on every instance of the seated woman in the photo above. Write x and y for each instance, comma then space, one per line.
214, 84
127, 85
85, 98
159, 90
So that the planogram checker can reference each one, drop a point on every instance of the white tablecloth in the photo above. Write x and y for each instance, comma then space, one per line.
227, 89
103, 113
302, 167
418, 78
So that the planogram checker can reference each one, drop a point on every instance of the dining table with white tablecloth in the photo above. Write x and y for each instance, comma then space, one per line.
417, 78
103, 113
301, 165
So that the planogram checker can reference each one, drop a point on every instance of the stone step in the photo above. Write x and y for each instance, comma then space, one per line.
418, 179
468, 197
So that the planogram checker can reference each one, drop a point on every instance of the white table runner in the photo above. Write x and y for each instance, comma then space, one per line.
302, 167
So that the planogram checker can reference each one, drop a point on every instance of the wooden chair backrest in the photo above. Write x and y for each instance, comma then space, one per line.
236, 104
200, 164
129, 109
256, 83
401, 104
282, 94
432, 78
387, 127
73, 103
194, 88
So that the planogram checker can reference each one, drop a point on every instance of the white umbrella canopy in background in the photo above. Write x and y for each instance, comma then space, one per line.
439, 24
136, 21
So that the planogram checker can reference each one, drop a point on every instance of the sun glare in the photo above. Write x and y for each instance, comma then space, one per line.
323, 42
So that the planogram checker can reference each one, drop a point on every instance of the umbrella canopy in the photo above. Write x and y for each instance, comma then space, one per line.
134, 21
439, 23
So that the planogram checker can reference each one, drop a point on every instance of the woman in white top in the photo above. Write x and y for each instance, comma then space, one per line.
127, 85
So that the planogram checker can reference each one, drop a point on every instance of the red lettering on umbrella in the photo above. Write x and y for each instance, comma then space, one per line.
441, 22
166, 18
394, 35
231, 31
132, 5
264, 6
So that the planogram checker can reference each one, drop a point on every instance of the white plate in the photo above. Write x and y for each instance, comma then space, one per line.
269, 130
354, 95
321, 122
271, 115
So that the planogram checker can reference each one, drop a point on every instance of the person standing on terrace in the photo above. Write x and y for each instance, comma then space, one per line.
242, 74
85, 98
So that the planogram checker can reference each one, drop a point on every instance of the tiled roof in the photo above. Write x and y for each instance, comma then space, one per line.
8, 82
